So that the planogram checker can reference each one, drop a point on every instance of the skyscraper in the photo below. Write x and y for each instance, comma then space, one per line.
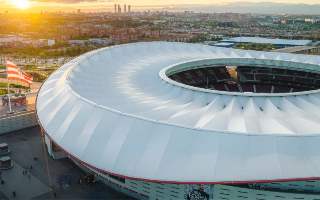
129, 8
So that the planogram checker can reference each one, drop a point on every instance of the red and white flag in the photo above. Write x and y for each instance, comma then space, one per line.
15, 73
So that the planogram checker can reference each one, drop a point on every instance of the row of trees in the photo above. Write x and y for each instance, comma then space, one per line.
254, 46
45, 52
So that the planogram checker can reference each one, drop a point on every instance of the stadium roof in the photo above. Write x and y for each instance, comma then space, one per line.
260, 40
117, 111
222, 44
295, 49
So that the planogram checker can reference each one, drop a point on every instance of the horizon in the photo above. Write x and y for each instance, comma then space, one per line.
140, 5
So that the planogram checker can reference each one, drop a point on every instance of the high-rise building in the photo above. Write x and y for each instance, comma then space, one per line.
125, 8
115, 8
129, 8
119, 8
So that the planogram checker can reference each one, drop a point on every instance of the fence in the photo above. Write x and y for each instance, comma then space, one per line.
18, 121
23, 117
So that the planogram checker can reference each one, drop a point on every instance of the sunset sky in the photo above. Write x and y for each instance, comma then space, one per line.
33, 5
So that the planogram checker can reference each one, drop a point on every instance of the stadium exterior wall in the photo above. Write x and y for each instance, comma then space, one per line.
147, 190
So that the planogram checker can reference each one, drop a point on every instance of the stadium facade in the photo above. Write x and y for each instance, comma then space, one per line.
188, 121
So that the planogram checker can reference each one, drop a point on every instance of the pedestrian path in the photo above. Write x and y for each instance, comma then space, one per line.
25, 186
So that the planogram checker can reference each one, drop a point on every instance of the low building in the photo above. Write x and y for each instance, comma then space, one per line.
4, 149
5, 163
222, 44
312, 50
280, 43
91, 41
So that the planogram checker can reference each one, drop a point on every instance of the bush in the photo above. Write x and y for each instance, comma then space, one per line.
4, 91
4, 85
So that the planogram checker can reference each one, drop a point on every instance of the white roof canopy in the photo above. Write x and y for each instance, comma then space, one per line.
112, 109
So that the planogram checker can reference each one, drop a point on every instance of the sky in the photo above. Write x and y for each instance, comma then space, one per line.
36, 5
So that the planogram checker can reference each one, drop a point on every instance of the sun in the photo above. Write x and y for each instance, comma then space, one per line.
21, 4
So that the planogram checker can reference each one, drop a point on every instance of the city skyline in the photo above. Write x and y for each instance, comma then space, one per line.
107, 5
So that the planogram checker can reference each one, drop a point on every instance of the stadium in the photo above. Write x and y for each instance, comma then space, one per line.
166, 120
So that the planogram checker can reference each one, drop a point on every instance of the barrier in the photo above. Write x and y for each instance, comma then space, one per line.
18, 121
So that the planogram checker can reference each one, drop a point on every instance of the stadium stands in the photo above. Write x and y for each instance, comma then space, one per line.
250, 79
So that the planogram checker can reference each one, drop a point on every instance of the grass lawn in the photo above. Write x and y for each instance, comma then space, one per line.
5, 91
4, 85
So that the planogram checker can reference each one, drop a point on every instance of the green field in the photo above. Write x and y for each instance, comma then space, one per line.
5, 91
257, 47
4, 85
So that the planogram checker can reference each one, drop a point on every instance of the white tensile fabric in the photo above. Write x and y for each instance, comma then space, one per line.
111, 109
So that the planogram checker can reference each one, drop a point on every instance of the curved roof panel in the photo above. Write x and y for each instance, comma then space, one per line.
112, 109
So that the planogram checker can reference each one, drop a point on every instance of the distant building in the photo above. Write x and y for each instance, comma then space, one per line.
312, 50
312, 21
43, 43
16, 40
8, 40
221, 44
91, 41
99, 41
77, 42
280, 43
51, 42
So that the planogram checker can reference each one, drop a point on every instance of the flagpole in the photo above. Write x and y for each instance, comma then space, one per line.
15, 73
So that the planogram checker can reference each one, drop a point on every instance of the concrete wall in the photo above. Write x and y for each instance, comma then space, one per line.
224, 192
155, 191
17, 121
306, 186
50, 148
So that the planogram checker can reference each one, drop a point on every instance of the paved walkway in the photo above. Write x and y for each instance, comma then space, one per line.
26, 186
17, 110
25, 146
